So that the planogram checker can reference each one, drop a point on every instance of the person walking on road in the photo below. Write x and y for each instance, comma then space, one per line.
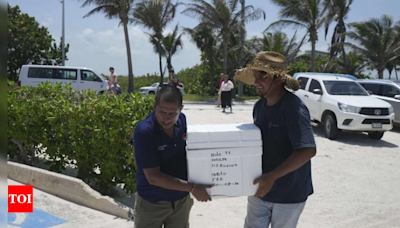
162, 187
288, 144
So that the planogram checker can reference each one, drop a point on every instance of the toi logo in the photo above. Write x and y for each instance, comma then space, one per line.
20, 198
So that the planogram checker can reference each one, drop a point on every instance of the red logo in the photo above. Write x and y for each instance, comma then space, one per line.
184, 136
20, 198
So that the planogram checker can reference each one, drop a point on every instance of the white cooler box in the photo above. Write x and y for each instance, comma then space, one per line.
227, 155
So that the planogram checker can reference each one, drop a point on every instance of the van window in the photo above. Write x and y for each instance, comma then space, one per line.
40, 73
66, 74
314, 85
52, 73
303, 82
87, 75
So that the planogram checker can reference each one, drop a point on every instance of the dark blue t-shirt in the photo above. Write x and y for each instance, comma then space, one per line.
285, 127
154, 148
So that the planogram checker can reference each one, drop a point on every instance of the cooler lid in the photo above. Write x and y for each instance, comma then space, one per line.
223, 136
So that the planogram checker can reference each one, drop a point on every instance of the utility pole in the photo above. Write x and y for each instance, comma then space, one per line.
242, 39
63, 35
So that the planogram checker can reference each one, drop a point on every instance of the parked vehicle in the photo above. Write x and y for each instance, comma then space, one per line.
340, 103
81, 78
155, 87
386, 90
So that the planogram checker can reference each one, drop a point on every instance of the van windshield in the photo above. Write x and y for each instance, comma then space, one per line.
344, 88
100, 76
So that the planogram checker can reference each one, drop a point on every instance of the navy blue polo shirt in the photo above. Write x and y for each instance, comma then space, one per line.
154, 148
285, 127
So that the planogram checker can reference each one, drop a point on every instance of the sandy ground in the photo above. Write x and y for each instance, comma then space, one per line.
356, 180
356, 183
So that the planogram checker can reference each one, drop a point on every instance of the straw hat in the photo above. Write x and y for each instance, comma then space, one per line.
270, 62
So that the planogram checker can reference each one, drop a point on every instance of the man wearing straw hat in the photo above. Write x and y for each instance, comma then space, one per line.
288, 144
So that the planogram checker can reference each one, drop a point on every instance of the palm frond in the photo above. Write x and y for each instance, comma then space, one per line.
282, 23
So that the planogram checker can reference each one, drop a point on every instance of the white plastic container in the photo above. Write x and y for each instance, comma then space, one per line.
227, 155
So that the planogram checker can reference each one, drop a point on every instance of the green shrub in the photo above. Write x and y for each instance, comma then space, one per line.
94, 133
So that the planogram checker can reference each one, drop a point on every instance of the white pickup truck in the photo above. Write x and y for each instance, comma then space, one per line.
340, 103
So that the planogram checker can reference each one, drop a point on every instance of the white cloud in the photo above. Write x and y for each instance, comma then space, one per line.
116, 50
87, 32
106, 33
48, 22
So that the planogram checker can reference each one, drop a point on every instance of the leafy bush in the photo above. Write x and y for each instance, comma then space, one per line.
93, 133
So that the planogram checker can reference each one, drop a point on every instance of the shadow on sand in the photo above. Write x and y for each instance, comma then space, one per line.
356, 138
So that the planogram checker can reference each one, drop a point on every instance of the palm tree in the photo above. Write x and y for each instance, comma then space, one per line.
223, 17
377, 40
204, 39
337, 11
155, 15
279, 42
171, 44
308, 14
116, 9
355, 64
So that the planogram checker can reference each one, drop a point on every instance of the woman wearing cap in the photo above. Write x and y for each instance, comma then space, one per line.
226, 94
288, 144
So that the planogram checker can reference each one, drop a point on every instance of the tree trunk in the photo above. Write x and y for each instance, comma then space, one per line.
212, 66
346, 70
380, 73
225, 66
161, 73
169, 64
313, 55
128, 52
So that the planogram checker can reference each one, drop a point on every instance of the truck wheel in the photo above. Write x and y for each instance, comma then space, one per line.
376, 135
151, 92
330, 127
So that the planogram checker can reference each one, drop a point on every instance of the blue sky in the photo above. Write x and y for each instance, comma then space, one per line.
99, 43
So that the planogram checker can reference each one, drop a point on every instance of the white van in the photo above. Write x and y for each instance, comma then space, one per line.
81, 78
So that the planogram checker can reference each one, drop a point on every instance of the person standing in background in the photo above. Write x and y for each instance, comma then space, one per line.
112, 82
219, 89
226, 94
173, 80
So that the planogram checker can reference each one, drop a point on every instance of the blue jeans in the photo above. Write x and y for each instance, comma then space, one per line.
261, 213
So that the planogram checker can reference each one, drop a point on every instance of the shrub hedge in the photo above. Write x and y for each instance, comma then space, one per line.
93, 133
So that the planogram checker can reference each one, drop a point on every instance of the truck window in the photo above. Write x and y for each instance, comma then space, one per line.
303, 82
374, 88
314, 85
390, 91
